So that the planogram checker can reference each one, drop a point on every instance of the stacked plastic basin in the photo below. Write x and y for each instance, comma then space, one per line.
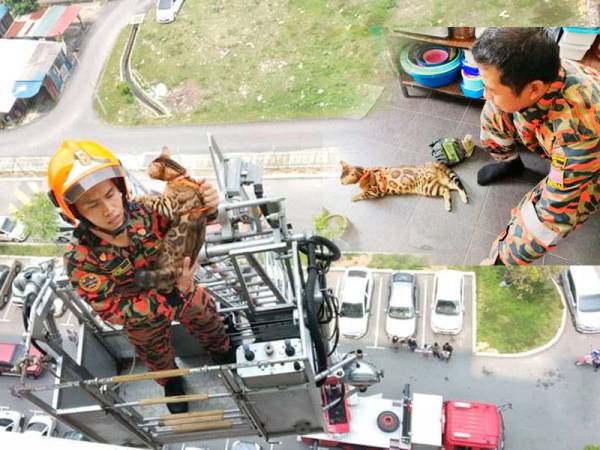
471, 84
431, 65
576, 41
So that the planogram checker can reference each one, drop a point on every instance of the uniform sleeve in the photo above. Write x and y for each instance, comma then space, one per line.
498, 133
559, 203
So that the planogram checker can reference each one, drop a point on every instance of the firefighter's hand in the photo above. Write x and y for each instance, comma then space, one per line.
185, 280
209, 194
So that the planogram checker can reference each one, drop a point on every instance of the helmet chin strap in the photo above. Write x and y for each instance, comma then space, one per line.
117, 231
113, 233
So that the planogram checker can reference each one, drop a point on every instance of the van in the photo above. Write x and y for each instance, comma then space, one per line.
582, 290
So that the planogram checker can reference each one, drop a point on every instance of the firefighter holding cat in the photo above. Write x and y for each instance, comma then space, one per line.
115, 236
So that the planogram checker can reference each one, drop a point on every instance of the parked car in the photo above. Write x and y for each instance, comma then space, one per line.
582, 290
166, 10
41, 424
7, 275
10, 354
12, 230
447, 308
11, 420
401, 316
355, 302
246, 445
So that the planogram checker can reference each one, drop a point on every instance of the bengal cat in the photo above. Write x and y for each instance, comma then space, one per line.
431, 179
183, 204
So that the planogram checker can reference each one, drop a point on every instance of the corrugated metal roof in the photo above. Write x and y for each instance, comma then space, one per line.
29, 62
49, 22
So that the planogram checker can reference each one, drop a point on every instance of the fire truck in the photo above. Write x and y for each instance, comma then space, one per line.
270, 286
417, 422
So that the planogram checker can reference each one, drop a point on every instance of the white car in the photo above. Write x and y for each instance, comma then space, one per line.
11, 230
582, 289
355, 302
11, 420
166, 10
447, 308
41, 424
401, 317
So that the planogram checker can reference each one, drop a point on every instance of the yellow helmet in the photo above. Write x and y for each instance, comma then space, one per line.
76, 167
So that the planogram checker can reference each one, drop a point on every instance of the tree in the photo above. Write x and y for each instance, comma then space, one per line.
529, 279
40, 217
18, 7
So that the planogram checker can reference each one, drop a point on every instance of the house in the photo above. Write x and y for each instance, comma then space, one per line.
6, 19
27, 67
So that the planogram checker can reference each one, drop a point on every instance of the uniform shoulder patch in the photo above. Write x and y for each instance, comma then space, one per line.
91, 282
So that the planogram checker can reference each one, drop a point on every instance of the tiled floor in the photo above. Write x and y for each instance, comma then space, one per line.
398, 131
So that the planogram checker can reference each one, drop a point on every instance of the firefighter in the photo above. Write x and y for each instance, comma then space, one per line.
551, 107
114, 237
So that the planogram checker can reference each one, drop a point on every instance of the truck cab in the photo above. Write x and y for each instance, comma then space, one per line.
473, 426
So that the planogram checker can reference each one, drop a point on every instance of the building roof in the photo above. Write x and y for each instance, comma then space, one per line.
43, 23
29, 63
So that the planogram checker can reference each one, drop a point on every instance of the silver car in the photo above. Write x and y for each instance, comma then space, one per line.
12, 230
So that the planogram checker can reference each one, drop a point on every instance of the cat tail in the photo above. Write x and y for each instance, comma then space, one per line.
456, 184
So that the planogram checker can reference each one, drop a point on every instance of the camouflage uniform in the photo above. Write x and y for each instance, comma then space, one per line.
563, 126
103, 274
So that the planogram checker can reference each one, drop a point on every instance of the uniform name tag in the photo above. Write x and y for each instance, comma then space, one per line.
556, 178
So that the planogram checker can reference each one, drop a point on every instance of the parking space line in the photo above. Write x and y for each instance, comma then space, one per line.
227, 444
337, 287
378, 310
424, 315
68, 322
6, 311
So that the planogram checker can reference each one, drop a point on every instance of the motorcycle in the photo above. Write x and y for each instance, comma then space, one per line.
586, 360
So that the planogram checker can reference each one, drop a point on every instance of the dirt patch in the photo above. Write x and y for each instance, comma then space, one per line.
184, 98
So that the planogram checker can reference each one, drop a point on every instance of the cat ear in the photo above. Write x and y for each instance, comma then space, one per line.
344, 164
165, 152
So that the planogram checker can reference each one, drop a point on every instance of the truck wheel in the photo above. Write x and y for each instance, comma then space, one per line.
388, 421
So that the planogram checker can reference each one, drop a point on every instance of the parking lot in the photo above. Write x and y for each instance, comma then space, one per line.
376, 338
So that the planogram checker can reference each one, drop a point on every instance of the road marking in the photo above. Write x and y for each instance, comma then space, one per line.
424, 308
374, 347
474, 313
21, 196
378, 309
68, 322
4, 317
35, 187
227, 444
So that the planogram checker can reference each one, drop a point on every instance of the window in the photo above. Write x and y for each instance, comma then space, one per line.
165, 4
572, 286
352, 310
447, 308
589, 303
402, 312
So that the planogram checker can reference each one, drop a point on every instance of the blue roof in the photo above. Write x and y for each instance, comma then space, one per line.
3, 10
26, 89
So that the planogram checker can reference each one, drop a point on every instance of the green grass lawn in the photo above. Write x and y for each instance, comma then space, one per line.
492, 13
49, 250
508, 324
249, 60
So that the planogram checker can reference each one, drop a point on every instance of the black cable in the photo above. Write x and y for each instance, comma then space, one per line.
311, 313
